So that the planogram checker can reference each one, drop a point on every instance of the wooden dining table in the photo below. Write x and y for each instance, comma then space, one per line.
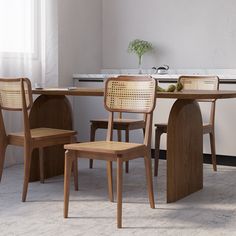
184, 135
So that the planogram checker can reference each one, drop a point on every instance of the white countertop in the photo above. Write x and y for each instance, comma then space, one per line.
223, 74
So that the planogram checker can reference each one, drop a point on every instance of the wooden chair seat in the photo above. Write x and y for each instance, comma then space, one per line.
106, 147
193, 83
119, 125
207, 128
40, 134
163, 127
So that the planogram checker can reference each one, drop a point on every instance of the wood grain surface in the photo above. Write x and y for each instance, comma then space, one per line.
52, 112
190, 94
184, 150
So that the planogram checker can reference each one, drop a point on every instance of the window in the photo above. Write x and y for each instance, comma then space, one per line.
18, 27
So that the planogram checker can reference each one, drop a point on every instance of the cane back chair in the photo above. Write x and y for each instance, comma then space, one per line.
16, 95
120, 124
123, 94
194, 83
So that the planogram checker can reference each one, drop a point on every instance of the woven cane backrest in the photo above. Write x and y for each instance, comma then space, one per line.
130, 94
11, 94
200, 83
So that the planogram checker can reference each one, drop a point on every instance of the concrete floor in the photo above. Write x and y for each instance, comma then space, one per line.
211, 211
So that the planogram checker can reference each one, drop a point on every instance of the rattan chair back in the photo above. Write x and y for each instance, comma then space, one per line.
200, 83
13, 92
132, 94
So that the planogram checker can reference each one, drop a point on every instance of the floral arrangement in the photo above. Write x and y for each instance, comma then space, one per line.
139, 47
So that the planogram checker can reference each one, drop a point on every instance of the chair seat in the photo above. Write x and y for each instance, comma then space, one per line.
108, 147
40, 134
206, 127
119, 123
161, 125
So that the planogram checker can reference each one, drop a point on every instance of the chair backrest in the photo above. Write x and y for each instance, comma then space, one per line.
131, 94
202, 83
15, 95
12, 92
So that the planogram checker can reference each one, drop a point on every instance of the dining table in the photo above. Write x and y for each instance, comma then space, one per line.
184, 134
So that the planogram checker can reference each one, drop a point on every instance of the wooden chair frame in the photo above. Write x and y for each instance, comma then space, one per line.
16, 95
116, 151
119, 124
207, 128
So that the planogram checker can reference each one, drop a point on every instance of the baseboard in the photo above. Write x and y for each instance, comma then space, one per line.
221, 159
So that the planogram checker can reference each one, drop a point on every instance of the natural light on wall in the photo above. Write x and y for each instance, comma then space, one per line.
18, 26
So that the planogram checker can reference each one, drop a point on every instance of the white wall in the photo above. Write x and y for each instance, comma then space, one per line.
94, 34
80, 38
186, 33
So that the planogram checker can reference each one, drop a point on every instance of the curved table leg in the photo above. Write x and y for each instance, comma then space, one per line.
184, 150
52, 112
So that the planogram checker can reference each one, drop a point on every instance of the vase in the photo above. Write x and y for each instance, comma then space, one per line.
140, 65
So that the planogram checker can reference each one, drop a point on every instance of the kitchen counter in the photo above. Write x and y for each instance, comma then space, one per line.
226, 76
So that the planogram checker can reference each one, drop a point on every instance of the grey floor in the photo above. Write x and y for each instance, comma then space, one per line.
211, 211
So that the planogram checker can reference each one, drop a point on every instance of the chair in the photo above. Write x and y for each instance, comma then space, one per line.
119, 125
194, 83
16, 95
123, 94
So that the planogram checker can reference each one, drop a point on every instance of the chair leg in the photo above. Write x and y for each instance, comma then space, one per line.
110, 181
2, 158
69, 159
213, 151
27, 163
119, 191
75, 167
143, 132
75, 173
148, 168
127, 140
92, 139
41, 165
158, 134
119, 135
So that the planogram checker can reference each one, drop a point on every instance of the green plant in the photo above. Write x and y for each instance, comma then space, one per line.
139, 47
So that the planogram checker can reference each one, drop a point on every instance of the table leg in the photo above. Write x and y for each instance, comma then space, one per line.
53, 112
184, 150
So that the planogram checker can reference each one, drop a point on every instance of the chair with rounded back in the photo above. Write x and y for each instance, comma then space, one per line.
16, 95
193, 83
120, 124
123, 94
